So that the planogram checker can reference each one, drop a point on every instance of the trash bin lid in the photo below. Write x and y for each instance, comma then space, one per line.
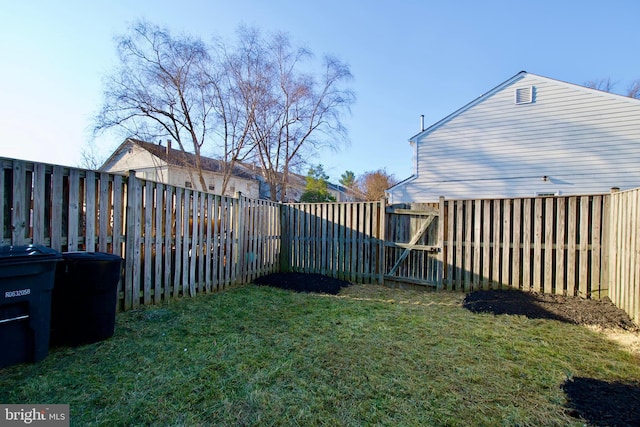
25, 253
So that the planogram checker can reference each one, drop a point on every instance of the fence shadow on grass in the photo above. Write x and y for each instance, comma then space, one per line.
509, 302
603, 403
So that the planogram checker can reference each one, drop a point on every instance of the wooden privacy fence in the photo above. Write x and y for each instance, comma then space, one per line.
179, 242
185, 242
545, 244
342, 240
624, 252
175, 241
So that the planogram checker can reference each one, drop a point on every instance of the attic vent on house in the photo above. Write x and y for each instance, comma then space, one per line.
524, 95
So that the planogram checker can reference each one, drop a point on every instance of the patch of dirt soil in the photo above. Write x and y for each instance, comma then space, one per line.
303, 282
576, 310
603, 403
600, 403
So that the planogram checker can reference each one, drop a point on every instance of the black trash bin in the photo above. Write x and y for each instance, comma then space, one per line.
83, 306
26, 279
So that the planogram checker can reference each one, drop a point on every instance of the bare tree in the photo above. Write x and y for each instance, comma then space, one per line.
373, 184
606, 85
633, 91
163, 87
257, 98
89, 157
298, 111
240, 92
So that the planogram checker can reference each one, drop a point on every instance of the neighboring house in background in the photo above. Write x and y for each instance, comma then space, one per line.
298, 185
529, 136
165, 164
155, 162
344, 194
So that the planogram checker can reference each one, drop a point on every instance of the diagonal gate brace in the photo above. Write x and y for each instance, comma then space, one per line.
413, 241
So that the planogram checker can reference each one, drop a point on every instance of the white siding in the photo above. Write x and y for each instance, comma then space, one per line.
148, 166
133, 157
585, 141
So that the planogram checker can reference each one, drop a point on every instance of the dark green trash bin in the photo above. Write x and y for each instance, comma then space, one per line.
26, 279
83, 307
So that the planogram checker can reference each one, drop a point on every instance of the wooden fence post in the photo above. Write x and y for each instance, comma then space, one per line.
132, 243
18, 215
441, 233
606, 245
284, 250
614, 230
240, 233
382, 261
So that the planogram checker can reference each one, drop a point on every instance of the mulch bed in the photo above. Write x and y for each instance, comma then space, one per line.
303, 282
576, 310
603, 403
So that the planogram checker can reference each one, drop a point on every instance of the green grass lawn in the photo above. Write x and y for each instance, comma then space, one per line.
370, 356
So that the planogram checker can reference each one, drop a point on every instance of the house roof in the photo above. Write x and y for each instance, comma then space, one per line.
294, 179
180, 158
177, 157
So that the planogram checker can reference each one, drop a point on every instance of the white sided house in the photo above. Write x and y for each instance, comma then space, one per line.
529, 136
155, 162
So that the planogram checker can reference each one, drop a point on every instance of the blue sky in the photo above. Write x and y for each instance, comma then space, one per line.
408, 58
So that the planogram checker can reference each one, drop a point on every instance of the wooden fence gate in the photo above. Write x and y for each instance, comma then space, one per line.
413, 245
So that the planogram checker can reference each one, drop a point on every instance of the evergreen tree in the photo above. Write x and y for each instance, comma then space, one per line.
316, 190
348, 179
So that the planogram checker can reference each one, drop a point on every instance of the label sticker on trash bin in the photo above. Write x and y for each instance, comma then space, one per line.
17, 293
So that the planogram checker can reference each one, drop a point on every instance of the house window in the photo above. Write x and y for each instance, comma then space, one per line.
212, 187
524, 95
187, 184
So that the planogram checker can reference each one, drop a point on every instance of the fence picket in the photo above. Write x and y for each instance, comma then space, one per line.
584, 225
486, 244
595, 250
537, 265
158, 240
571, 246
39, 203
168, 243
104, 211
118, 212
506, 244
549, 218
18, 208
147, 241
90, 211
496, 248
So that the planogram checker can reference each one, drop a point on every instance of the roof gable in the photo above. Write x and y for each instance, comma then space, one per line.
564, 139
510, 82
177, 157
